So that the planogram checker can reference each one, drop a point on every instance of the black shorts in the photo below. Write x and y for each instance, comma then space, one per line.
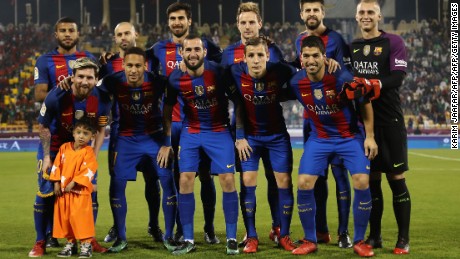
392, 156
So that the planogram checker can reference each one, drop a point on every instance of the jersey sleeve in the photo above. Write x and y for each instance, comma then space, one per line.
214, 52
49, 107
398, 56
342, 53
85, 174
153, 63
41, 71
276, 55
171, 92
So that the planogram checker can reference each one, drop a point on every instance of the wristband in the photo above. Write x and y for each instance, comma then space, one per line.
239, 133
167, 141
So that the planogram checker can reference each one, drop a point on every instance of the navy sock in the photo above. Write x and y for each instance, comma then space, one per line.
42, 216
362, 205
119, 206
169, 204
152, 196
286, 201
401, 207
307, 211
321, 192
248, 209
208, 198
272, 191
377, 208
230, 205
343, 195
95, 206
187, 212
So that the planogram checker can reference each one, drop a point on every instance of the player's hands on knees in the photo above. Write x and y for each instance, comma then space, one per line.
69, 186
370, 148
104, 57
165, 154
332, 65
244, 150
57, 189
65, 84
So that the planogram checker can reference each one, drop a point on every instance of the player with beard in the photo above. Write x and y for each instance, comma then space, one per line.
50, 69
387, 54
125, 36
164, 57
202, 88
312, 13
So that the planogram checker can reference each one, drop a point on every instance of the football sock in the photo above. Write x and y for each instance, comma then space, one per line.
321, 193
169, 204
343, 195
152, 196
286, 201
176, 182
272, 192
307, 210
208, 198
401, 207
41, 216
230, 206
187, 212
95, 206
118, 205
242, 196
377, 208
362, 205
249, 205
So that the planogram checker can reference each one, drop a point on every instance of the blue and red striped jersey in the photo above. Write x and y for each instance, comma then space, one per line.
164, 57
53, 67
61, 110
139, 107
114, 64
261, 97
204, 98
234, 53
328, 116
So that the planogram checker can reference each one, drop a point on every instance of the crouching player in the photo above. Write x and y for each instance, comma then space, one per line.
334, 132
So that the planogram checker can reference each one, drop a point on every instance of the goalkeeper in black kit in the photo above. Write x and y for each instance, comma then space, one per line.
379, 64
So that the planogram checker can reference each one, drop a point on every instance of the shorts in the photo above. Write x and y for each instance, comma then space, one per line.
317, 152
392, 157
133, 151
218, 146
279, 150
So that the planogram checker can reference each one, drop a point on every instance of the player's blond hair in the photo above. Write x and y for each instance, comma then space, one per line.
248, 7
375, 2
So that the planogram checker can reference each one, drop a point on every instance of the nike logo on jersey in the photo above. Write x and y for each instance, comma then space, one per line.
398, 165
245, 85
230, 166
170, 52
187, 92
303, 95
236, 60
60, 66
355, 50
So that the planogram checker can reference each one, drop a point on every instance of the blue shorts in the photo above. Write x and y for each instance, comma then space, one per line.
218, 146
317, 152
132, 151
279, 150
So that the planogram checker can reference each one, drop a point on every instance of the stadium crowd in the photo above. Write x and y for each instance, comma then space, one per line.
425, 93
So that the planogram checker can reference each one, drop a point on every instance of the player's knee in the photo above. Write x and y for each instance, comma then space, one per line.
227, 182
360, 181
395, 176
283, 180
306, 182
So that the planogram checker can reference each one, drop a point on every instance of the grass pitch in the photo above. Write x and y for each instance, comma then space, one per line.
433, 180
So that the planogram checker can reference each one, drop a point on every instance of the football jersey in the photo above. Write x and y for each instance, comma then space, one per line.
204, 98
61, 110
328, 116
261, 97
52, 67
139, 107
234, 53
164, 57
376, 58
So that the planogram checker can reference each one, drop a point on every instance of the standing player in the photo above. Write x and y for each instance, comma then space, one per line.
380, 58
50, 69
140, 136
202, 89
312, 13
260, 84
125, 38
165, 56
334, 131
249, 23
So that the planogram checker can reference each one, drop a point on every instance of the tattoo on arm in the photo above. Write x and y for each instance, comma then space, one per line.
45, 138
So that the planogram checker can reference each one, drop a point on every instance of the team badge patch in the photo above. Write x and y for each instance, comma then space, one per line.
36, 73
367, 50
79, 114
377, 51
136, 96
43, 110
330, 93
199, 90
318, 94
259, 86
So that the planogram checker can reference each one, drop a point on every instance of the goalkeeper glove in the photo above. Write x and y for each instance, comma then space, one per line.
370, 85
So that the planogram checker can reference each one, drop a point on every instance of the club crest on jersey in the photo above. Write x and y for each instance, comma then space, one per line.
79, 114
136, 96
377, 51
330, 93
211, 88
259, 86
318, 94
367, 50
199, 90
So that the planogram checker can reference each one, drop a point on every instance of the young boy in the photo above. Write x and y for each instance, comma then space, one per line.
72, 172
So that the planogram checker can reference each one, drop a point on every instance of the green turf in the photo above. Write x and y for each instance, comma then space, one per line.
435, 227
